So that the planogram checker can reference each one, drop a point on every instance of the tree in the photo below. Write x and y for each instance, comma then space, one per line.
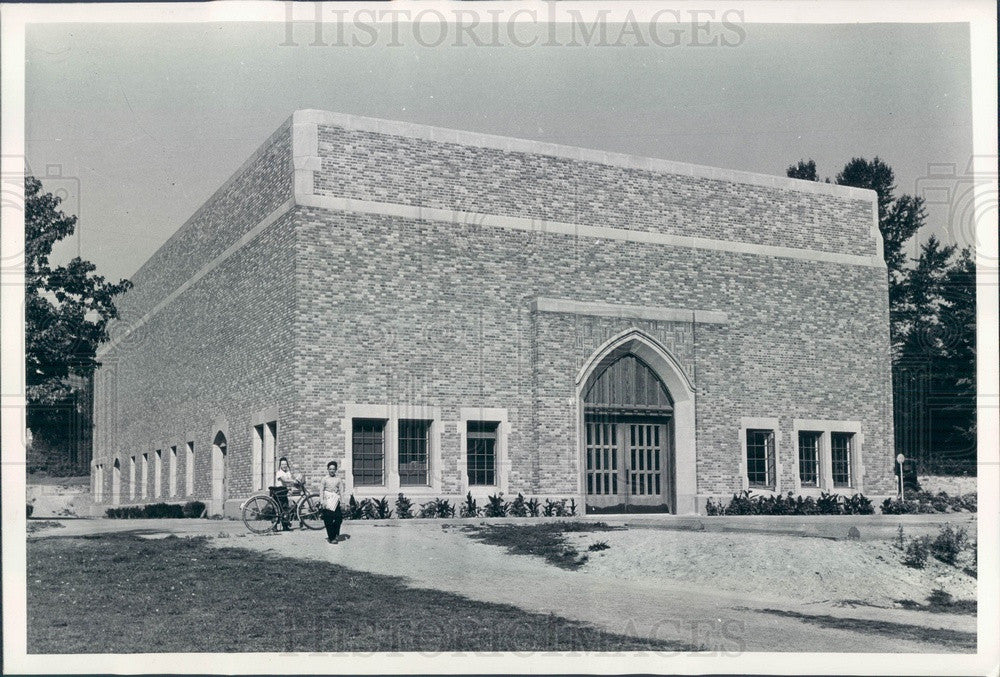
67, 309
803, 170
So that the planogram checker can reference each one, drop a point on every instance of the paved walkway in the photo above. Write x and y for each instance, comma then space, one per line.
429, 556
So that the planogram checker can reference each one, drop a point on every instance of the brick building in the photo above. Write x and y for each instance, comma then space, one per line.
444, 312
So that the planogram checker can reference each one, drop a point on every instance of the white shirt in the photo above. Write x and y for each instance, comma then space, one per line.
283, 478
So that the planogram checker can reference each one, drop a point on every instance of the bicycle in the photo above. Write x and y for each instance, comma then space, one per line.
263, 514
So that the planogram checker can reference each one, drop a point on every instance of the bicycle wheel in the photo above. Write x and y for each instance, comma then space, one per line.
308, 511
260, 514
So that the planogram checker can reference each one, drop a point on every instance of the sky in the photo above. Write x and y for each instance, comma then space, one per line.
138, 124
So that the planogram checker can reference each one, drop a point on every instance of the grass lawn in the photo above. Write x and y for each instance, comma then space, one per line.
122, 593
961, 641
542, 540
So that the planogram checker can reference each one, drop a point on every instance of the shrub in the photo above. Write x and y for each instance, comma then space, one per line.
572, 507
829, 504
404, 507
518, 507
469, 508
746, 503
439, 507
193, 509
151, 511
555, 508
916, 552
713, 509
354, 509
30, 508
497, 507
534, 507
924, 502
949, 543
894, 506
740, 505
380, 509
859, 504
599, 545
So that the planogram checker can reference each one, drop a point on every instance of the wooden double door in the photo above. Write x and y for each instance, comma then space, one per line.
628, 463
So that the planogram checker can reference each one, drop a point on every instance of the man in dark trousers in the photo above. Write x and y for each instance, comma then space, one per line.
330, 494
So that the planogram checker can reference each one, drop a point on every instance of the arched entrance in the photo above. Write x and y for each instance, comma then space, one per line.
636, 429
116, 483
218, 474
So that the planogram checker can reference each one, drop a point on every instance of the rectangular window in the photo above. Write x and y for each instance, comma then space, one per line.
481, 452
173, 471
840, 458
413, 444
760, 458
368, 451
189, 469
131, 478
145, 475
809, 458
157, 472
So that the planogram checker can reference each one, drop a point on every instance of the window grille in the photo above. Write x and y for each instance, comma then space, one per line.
368, 451
481, 452
413, 445
840, 458
760, 458
809, 459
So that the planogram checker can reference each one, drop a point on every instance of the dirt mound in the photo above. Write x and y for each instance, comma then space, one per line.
774, 566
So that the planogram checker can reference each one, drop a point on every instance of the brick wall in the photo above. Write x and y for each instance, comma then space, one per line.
397, 169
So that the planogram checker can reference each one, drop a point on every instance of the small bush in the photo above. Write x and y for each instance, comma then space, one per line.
30, 508
381, 509
859, 504
534, 507
917, 551
572, 507
556, 508
497, 507
404, 507
193, 509
599, 545
949, 544
354, 510
519, 507
469, 508
894, 506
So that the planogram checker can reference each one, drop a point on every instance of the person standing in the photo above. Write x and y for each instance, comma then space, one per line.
331, 493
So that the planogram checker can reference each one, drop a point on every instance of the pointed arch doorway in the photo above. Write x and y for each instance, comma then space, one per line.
637, 429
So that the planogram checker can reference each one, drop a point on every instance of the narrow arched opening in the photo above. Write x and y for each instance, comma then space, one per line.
219, 488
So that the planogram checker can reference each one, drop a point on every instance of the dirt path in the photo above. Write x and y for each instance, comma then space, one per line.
727, 622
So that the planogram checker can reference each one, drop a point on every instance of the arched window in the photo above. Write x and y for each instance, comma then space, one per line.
628, 386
